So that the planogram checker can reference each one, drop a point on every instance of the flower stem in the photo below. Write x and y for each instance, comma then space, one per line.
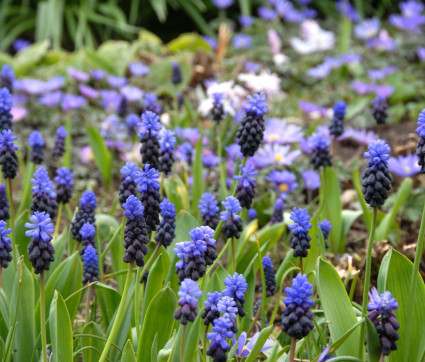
382, 358
12, 215
367, 276
263, 283
292, 351
43, 317
301, 264
182, 344
89, 289
233, 255
414, 281
116, 326
204, 347
58, 221
257, 315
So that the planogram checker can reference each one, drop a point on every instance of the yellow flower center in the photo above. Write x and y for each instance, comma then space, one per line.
283, 187
273, 137
244, 348
278, 158
407, 169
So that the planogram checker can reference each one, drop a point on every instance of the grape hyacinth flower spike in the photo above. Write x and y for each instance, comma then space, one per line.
297, 319
376, 179
6, 104
149, 138
149, 187
40, 249
208, 205
210, 253
300, 239
176, 74
4, 203
227, 307
87, 233
85, 213
135, 232
420, 147
217, 110
59, 147
166, 158
43, 195
381, 313
211, 312
165, 232
221, 332
8, 157
269, 276
232, 222
90, 265
36, 141
325, 226
277, 215
65, 185
128, 185
379, 112
251, 129
336, 127
319, 145
7, 76
5, 245
236, 287
189, 293
245, 191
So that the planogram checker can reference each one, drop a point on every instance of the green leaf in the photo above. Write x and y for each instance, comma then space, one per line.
29, 57
128, 353
22, 241
158, 322
188, 42
60, 330
348, 218
109, 300
402, 195
25, 335
198, 185
59, 244
373, 342
177, 192
68, 143
249, 300
247, 232
313, 253
394, 275
90, 331
367, 215
333, 208
191, 342
102, 156
337, 308
262, 338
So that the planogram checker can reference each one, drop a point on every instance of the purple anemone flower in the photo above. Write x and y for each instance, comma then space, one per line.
404, 166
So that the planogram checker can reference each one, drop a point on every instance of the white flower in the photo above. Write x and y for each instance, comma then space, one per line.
280, 59
266, 82
314, 38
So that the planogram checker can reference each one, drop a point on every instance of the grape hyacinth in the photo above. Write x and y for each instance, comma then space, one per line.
420, 147
232, 222
320, 156
135, 232
5, 245
192, 253
65, 185
297, 319
376, 180
227, 307
85, 213
176, 74
325, 226
36, 141
300, 239
188, 303
211, 312
269, 276
43, 193
251, 129
336, 128
277, 215
221, 332
149, 138
87, 233
165, 232
166, 158
132, 120
252, 214
381, 313
90, 265
128, 185
8, 157
217, 110
236, 287
4, 203
245, 191
6, 104
147, 180
208, 205
40, 249
380, 110
60, 139
7, 76
210, 254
